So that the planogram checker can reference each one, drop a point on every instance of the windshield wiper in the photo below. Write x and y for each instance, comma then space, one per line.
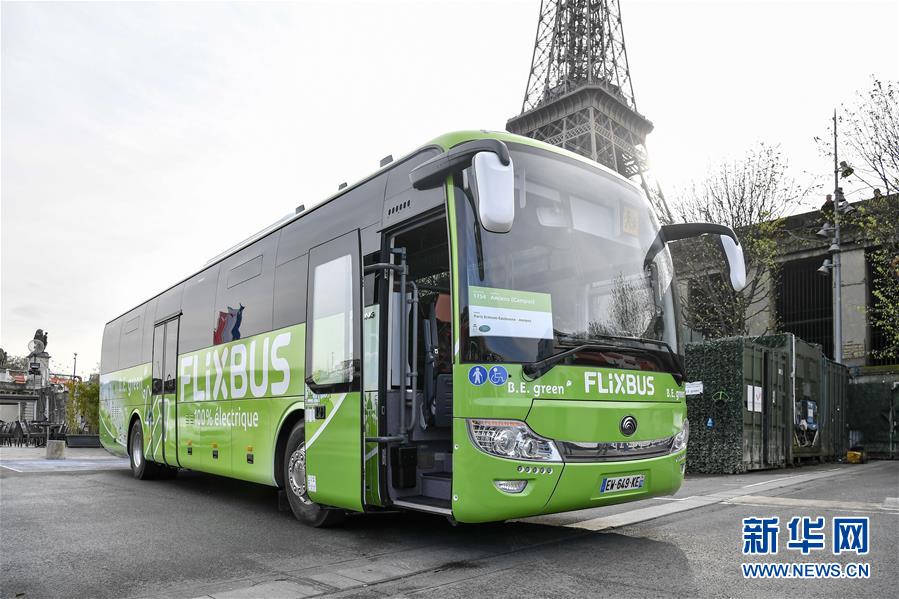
537, 369
614, 338
476, 227
595, 342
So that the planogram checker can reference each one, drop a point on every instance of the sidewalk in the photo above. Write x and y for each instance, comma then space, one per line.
700, 490
39, 453
34, 459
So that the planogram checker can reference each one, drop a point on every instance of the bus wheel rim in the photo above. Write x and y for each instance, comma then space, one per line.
136, 450
296, 473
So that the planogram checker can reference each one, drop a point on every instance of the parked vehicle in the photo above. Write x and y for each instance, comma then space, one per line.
483, 329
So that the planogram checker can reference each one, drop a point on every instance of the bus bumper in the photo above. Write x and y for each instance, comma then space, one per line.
552, 486
581, 483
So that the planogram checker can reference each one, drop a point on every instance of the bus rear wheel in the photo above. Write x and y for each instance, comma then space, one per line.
141, 467
304, 509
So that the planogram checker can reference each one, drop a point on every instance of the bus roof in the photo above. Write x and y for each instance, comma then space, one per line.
443, 143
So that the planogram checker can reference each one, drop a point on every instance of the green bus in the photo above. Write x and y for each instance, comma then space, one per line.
484, 329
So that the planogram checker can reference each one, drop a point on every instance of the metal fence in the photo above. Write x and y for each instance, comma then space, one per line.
805, 303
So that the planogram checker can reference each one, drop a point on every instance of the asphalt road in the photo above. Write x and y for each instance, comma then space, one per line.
86, 528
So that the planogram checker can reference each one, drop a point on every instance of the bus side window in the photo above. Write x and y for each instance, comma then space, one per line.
371, 322
243, 300
158, 339
332, 315
169, 367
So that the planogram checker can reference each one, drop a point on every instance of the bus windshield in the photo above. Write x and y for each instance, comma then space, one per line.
571, 270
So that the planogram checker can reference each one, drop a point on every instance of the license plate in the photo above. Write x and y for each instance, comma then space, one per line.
622, 483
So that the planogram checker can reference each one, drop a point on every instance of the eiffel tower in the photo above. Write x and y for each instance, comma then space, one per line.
579, 94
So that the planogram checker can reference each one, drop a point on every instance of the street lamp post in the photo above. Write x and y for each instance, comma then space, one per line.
837, 271
833, 265
74, 370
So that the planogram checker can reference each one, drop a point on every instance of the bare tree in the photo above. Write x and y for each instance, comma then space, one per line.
878, 221
750, 195
869, 136
10, 362
630, 310
870, 131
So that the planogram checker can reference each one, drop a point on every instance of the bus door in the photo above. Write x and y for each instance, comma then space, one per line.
162, 415
334, 407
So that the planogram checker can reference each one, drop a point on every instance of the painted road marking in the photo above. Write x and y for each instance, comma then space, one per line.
765, 482
857, 506
68, 465
698, 501
643, 514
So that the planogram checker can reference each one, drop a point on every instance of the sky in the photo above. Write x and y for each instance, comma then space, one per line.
138, 140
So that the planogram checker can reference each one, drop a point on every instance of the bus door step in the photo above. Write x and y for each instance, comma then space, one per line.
438, 485
420, 503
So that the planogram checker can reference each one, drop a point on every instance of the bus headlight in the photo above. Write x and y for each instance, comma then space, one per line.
681, 438
511, 439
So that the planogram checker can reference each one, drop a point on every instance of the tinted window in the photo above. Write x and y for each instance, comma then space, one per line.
244, 272
158, 346
132, 324
355, 209
130, 344
571, 270
243, 305
146, 351
290, 292
198, 310
370, 323
169, 368
332, 314
109, 354
169, 303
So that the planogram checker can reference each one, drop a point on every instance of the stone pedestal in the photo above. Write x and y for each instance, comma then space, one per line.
56, 450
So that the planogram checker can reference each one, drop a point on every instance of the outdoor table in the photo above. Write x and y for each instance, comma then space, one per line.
48, 426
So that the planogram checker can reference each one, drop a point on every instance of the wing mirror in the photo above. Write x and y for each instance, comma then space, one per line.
494, 189
493, 182
735, 261
730, 245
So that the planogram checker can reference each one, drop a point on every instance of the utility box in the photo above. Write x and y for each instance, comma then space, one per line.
873, 417
738, 421
765, 403
820, 388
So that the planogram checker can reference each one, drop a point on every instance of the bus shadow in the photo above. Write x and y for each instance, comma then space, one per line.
420, 546
574, 562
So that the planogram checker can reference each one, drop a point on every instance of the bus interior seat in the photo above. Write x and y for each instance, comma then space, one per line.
438, 383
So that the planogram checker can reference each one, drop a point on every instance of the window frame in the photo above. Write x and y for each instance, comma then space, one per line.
347, 244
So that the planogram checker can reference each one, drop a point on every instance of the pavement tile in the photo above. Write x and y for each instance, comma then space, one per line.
376, 573
334, 580
283, 589
67, 465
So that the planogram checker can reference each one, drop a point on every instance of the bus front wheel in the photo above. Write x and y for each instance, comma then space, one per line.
304, 509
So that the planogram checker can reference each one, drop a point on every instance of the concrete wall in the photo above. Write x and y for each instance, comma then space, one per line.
856, 341
855, 300
764, 321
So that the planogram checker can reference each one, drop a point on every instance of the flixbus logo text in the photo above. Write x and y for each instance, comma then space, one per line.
619, 383
261, 366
